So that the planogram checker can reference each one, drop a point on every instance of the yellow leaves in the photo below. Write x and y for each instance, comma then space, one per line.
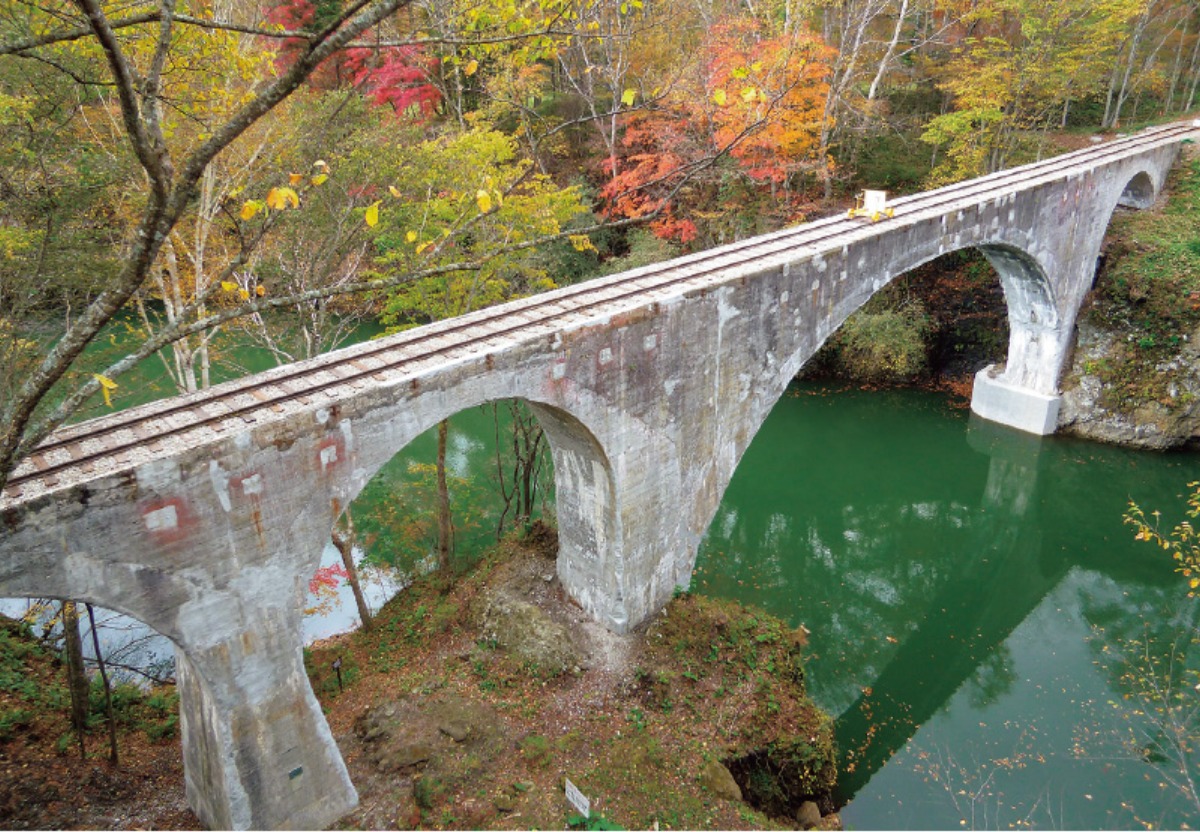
421, 248
371, 217
581, 242
244, 294
484, 200
107, 385
411, 236
471, 67
628, 97
719, 98
319, 179
749, 94
394, 191
278, 199
250, 209
295, 178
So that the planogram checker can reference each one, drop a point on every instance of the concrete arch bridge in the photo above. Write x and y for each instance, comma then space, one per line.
204, 515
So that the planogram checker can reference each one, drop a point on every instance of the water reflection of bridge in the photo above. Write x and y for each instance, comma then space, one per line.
1012, 566
917, 554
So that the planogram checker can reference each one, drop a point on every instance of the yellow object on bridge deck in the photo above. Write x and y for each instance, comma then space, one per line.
873, 205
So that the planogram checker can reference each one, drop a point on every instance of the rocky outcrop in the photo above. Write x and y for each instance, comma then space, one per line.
1091, 410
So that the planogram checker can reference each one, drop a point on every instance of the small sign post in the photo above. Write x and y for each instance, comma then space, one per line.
576, 799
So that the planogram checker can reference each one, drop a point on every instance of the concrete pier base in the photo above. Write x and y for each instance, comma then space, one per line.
258, 753
1016, 407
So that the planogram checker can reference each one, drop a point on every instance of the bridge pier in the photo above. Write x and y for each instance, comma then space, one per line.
258, 753
618, 518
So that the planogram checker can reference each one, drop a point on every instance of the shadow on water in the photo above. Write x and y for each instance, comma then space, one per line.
1003, 577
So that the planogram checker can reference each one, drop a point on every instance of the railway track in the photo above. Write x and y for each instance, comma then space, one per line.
241, 402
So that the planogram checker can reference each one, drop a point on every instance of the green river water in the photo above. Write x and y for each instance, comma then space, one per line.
975, 603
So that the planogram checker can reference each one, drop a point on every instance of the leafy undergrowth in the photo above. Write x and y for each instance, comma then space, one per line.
933, 327
1149, 290
633, 725
44, 783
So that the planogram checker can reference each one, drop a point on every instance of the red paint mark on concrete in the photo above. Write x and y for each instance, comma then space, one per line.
168, 520
330, 453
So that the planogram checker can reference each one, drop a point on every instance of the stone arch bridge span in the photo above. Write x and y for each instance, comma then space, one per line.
205, 515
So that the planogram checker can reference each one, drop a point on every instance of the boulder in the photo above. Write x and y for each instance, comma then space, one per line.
526, 632
1153, 424
808, 816
717, 779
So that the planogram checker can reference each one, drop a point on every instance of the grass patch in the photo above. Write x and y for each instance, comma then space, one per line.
1149, 291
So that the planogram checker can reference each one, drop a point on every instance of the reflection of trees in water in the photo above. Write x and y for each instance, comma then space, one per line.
1146, 639
993, 678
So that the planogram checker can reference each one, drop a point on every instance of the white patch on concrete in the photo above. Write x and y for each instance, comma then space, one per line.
670, 384
252, 484
328, 455
819, 262
243, 440
161, 519
220, 482
726, 311
559, 370
348, 435
158, 474
650, 342
606, 355
322, 415
783, 298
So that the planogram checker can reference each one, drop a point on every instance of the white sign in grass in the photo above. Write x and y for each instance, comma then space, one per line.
576, 798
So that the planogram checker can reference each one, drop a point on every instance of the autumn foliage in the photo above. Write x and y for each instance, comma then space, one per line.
396, 76
757, 98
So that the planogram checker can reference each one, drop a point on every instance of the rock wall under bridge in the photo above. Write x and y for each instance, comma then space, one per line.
648, 401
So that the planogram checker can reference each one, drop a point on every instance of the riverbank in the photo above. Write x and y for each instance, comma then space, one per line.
467, 707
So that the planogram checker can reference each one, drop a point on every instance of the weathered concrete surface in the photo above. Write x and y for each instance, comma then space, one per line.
648, 405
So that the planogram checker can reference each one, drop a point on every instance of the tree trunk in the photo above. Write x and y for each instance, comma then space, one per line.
891, 51
77, 681
345, 545
445, 526
108, 709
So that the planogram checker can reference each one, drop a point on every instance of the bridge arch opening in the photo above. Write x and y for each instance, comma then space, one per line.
37, 701
470, 478
939, 320
1139, 193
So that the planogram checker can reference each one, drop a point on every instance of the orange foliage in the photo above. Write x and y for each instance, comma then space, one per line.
774, 92
759, 98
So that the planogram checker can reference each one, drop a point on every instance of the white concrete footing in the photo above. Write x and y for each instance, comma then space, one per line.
1016, 407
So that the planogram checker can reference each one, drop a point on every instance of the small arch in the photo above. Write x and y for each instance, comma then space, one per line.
1139, 193
583, 486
